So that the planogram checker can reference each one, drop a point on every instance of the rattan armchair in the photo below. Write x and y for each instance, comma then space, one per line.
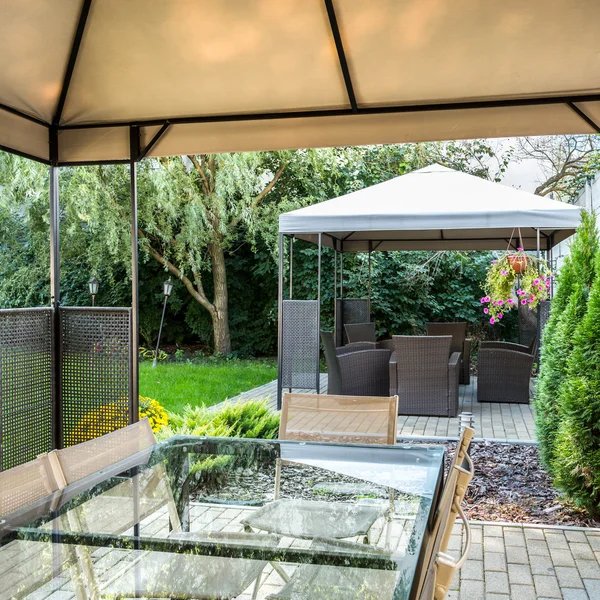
504, 372
360, 332
354, 370
460, 343
424, 375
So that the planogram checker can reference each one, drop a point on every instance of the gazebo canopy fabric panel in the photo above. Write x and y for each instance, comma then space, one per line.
434, 208
234, 75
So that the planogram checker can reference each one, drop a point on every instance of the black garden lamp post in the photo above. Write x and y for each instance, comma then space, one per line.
167, 289
93, 287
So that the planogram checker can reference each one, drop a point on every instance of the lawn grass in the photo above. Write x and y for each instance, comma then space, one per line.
176, 384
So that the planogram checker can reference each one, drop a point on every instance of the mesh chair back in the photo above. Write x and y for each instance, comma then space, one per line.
81, 460
360, 332
25, 484
346, 419
334, 375
458, 331
422, 369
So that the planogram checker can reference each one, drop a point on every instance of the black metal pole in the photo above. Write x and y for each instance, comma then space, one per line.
335, 285
291, 267
55, 303
369, 277
280, 324
162, 320
319, 315
134, 149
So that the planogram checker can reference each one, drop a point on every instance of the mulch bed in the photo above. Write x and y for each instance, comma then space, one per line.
511, 485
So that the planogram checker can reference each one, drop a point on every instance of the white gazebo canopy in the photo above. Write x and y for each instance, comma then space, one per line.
434, 208
191, 76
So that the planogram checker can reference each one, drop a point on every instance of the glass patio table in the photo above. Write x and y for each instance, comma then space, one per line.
231, 518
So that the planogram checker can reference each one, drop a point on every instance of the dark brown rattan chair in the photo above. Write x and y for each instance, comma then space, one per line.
360, 332
354, 370
460, 343
424, 375
504, 372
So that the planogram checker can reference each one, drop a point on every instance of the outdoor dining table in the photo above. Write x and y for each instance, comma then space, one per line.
215, 486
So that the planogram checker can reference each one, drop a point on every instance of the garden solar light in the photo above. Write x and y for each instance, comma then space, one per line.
93, 287
167, 289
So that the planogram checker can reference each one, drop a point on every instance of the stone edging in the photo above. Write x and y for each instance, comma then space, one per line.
534, 526
439, 439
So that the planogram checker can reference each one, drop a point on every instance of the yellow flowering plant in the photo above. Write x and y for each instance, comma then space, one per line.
155, 411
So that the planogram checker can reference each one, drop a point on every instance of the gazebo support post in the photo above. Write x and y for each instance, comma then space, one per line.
280, 323
369, 276
318, 378
134, 152
539, 310
335, 285
292, 267
54, 303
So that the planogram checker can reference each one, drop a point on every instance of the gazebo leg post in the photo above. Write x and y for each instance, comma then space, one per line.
318, 382
335, 285
134, 151
539, 310
369, 278
55, 303
280, 325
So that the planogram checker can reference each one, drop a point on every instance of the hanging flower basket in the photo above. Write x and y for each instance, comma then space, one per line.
513, 279
518, 263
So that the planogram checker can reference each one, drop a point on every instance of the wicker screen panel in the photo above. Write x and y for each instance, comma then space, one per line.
300, 347
350, 310
25, 385
95, 371
527, 325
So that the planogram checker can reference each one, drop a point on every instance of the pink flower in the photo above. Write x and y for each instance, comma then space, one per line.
494, 261
510, 301
519, 249
487, 298
500, 302
492, 321
523, 302
486, 311
483, 301
499, 315
503, 272
536, 282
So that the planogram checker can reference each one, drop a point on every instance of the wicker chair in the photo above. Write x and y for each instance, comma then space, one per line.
460, 343
504, 372
354, 370
360, 332
423, 377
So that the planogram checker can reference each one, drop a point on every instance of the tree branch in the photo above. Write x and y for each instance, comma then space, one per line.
201, 172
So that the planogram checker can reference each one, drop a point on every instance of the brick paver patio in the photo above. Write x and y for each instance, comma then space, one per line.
492, 420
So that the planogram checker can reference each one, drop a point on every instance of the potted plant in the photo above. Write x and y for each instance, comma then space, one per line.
529, 276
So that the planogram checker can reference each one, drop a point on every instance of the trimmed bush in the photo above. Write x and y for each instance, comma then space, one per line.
577, 273
576, 467
252, 419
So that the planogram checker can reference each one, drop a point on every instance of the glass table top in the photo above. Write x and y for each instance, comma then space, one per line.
231, 518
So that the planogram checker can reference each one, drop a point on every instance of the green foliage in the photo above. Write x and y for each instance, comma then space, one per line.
252, 419
568, 308
576, 466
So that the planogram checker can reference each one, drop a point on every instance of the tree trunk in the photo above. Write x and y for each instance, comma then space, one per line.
220, 314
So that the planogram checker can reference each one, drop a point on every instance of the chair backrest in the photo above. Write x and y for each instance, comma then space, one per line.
25, 484
458, 331
433, 581
334, 375
356, 347
81, 460
422, 366
360, 332
347, 419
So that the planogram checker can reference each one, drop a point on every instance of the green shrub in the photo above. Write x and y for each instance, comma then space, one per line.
252, 419
576, 468
577, 273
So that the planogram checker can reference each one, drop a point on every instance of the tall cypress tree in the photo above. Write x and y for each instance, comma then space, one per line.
576, 465
576, 276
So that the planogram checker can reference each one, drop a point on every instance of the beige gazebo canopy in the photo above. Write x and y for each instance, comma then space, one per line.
236, 75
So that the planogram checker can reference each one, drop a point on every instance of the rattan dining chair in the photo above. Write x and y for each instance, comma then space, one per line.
425, 375
328, 418
186, 576
360, 332
460, 343
357, 369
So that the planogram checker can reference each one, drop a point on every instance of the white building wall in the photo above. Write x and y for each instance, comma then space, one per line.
588, 199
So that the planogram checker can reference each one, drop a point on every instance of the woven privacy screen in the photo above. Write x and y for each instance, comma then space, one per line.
95, 371
528, 324
25, 384
350, 310
300, 347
